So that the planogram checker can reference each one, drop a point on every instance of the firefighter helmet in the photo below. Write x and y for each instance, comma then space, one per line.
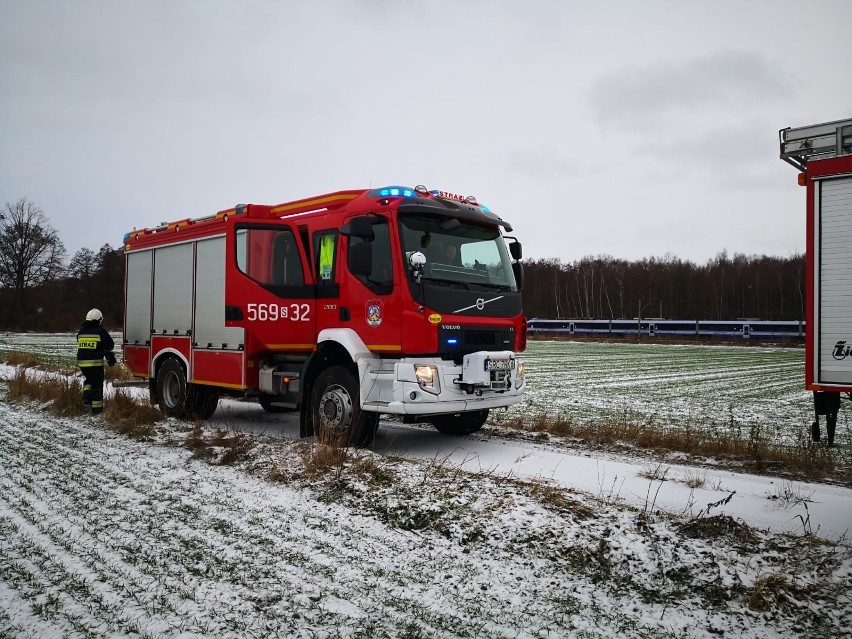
94, 315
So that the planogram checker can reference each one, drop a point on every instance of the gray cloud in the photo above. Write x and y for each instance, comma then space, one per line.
633, 96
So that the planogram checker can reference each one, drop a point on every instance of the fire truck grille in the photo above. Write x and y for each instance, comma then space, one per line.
480, 338
463, 340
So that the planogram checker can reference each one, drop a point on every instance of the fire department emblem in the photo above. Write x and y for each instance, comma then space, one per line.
374, 313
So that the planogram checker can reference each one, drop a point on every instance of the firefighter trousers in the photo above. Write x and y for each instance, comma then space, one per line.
93, 388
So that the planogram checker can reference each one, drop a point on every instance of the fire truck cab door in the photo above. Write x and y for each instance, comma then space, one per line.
374, 298
268, 289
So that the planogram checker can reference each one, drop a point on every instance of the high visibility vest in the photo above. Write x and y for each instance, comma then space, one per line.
326, 257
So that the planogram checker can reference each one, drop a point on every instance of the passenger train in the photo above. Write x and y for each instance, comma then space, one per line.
689, 329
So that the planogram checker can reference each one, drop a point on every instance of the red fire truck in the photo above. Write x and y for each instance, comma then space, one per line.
823, 155
345, 306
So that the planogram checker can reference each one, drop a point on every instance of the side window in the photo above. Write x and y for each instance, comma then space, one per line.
380, 279
270, 256
325, 267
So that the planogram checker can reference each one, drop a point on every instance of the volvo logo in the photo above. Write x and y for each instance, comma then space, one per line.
480, 304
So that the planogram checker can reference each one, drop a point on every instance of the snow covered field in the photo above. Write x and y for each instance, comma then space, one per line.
708, 387
703, 387
428, 536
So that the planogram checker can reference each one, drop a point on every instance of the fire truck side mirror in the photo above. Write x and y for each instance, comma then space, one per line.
518, 270
361, 259
361, 227
516, 250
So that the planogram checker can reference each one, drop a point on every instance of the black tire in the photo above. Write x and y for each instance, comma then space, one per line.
171, 388
266, 403
460, 424
201, 401
337, 415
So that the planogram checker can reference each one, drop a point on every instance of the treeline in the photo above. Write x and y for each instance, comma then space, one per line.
41, 291
725, 288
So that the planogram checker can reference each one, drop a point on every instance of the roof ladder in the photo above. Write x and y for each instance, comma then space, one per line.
817, 141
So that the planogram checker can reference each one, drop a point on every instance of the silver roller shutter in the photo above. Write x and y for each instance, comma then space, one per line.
834, 276
137, 327
210, 330
173, 289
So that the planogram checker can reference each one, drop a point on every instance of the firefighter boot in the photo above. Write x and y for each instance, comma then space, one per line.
815, 430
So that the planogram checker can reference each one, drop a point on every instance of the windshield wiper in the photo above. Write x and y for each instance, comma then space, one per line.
441, 280
492, 286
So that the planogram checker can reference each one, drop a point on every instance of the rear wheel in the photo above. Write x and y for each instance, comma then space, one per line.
459, 424
337, 415
171, 388
182, 400
201, 401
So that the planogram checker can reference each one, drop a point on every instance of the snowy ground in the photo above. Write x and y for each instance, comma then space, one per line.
101, 535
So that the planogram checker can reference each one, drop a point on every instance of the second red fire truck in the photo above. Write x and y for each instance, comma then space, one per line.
345, 306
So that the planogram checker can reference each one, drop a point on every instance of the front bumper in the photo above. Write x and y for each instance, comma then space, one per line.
391, 386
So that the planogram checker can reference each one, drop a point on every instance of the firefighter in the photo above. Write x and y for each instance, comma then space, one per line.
93, 345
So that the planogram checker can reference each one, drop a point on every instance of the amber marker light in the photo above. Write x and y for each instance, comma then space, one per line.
803, 180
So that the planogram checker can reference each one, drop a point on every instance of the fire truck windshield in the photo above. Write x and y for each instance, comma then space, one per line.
458, 252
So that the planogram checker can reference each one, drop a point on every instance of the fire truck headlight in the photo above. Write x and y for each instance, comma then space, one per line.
427, 378
520, 371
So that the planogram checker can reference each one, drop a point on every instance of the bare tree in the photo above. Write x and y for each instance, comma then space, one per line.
31, 254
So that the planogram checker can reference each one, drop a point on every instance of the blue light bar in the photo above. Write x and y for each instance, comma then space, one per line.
452, 341
393, 191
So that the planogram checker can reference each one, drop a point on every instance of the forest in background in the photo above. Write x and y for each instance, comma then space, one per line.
41, 289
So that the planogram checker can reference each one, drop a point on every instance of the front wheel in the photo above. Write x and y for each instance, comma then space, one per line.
460, 424
337, 415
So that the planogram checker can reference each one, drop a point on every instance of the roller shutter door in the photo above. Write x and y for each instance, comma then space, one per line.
834, 277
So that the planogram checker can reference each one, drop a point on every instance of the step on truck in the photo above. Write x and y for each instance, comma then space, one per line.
344, 306
823, 155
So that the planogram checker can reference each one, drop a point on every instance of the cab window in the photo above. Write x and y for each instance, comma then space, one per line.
325, 263
270, 257
380, 279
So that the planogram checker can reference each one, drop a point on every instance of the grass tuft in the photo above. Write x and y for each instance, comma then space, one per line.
61, 396
718, 526
126, 415
219, 448
556, 500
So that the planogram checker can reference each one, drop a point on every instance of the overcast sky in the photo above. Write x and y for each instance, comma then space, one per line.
633, 129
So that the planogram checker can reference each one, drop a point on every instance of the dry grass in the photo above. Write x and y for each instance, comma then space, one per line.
16, 358
769, 591
61, 396
220, 447
717, 526
557, 500
126, 415
754, 451
654, 473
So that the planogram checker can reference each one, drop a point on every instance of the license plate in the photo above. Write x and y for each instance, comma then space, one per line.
499, 364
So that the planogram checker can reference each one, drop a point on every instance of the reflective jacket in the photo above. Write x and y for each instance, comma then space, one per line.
93, 344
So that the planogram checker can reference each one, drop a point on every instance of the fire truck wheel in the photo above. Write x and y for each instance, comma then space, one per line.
338, 416
201, 401
460, 423
171, 388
